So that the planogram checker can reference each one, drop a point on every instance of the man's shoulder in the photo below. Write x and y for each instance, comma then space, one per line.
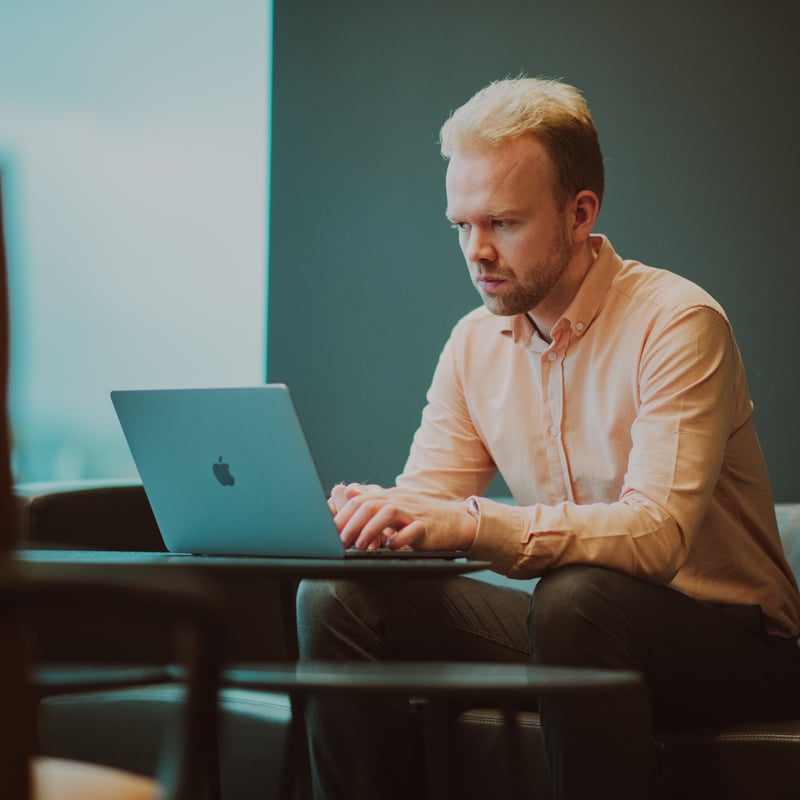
663, 288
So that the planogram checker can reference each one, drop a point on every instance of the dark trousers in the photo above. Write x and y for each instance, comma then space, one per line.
702, 666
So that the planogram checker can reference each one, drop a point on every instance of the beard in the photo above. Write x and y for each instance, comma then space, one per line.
540, 279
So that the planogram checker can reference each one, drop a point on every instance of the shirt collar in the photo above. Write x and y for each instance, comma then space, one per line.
586, 304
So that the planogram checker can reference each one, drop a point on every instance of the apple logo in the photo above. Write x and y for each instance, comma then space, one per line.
222, 472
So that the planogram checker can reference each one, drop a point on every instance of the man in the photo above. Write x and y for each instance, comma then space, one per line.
612, 398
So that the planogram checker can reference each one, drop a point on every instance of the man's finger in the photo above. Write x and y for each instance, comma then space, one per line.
338, 498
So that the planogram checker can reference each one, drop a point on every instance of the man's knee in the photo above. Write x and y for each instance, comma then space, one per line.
318, 606
334, 620
314, 599
575, 614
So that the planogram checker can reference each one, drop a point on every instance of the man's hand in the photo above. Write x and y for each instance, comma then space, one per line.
369, 516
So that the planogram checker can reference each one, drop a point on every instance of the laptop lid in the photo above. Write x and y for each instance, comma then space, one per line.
228, 471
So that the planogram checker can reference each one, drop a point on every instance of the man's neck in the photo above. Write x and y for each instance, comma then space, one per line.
543, 334
550, 310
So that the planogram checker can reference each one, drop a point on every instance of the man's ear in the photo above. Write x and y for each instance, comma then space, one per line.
585, 207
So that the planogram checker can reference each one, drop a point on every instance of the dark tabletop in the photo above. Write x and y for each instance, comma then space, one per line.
274, 567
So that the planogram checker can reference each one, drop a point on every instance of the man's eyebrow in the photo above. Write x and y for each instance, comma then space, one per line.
498, 213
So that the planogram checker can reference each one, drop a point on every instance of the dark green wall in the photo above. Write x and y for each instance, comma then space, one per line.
698, 110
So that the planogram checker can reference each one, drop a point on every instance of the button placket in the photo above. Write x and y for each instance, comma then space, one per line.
552, 391
555, 392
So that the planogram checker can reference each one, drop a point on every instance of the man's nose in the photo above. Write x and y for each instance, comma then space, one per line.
479, 246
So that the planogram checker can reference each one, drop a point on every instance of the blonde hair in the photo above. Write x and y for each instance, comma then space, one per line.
555, 113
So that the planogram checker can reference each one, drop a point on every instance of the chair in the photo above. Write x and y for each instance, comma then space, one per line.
31, 590
188, 768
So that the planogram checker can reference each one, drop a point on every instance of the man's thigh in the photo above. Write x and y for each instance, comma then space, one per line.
702, 664
424, 619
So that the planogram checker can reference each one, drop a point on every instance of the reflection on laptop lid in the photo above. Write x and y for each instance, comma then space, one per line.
229, 472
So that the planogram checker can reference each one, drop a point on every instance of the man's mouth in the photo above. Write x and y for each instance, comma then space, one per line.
488, 283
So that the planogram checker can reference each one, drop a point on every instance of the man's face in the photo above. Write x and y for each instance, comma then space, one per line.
514, 237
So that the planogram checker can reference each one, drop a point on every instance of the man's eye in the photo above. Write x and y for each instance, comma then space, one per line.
460, 226
500, 223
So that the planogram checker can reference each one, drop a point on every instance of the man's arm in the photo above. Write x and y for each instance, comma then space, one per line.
692, 398
448, 457
691, 395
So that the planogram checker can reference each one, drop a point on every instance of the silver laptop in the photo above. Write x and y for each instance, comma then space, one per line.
229, 472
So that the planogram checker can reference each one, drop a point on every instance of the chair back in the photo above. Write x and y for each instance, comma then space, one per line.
6, 511
17, 720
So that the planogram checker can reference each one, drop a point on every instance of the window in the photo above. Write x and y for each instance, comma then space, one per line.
134, 155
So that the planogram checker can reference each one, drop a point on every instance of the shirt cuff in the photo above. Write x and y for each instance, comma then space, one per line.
500, 536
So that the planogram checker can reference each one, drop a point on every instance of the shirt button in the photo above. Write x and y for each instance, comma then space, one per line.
554, 430
551, 356
579, 326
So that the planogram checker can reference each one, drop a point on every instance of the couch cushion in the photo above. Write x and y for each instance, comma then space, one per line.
738, 762
483, 755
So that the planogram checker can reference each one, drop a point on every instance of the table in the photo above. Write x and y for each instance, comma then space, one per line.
448, 687
286, 571
445, 686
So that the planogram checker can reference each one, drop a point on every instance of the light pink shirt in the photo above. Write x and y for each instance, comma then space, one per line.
627, 442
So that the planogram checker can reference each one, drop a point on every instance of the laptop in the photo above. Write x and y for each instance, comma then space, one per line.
229, 472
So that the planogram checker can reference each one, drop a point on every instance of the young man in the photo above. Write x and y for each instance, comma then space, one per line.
612, 398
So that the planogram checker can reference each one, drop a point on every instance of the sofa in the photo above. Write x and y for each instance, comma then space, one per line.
739, 761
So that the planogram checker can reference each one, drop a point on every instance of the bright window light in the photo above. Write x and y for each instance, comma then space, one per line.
133, 147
